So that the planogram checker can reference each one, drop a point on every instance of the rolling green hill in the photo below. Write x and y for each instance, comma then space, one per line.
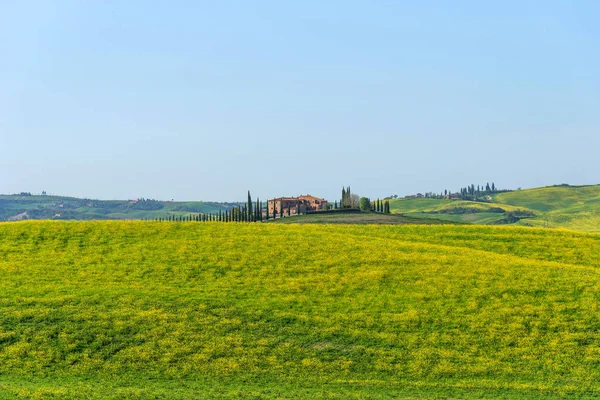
571, 207
139, 310
18, 207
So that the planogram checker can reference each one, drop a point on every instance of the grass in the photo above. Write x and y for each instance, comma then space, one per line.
572, 207
356, 218
136, 310
402, 206
554, 198
485, 218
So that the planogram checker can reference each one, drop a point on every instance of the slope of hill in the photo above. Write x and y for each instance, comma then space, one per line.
136, 310
18, 207
572, 207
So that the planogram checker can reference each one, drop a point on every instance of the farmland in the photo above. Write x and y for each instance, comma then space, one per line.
133, 309
358, 218
561, 206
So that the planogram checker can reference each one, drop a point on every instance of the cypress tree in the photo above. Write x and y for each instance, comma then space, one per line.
249, 209
348, 198
267, 215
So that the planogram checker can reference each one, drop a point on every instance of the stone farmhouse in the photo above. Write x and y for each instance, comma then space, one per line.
303, 204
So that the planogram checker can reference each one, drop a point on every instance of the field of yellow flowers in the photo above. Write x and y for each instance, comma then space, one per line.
138, 310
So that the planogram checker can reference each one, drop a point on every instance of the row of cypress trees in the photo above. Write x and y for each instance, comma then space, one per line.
381, 206
248, 212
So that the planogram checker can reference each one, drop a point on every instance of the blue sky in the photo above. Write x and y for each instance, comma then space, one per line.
205, 100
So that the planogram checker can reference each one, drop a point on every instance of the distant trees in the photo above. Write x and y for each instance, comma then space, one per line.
249, 208
477, 193
381, 206
248, 212
364, 203
349, 200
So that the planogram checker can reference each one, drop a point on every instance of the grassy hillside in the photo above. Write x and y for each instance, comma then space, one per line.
553, 198
16, 207
460, 211
357, 218
403, 206
573, 207
137, 310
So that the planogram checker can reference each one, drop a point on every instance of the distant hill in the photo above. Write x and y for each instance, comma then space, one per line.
562, 206
572, 207
19, 207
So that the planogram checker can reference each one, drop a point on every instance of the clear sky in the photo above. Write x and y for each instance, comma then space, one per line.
205, 100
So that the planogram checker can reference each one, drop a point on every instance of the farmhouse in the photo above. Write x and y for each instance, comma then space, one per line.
302, 204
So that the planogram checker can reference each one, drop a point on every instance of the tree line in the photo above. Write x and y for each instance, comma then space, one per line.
253, 211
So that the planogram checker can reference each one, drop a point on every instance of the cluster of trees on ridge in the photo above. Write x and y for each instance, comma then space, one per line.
249, 212
470, 192
253, 211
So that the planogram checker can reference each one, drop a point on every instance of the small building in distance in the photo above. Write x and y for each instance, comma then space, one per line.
414, 196
303, 204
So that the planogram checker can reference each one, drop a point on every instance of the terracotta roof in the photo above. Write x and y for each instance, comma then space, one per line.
312, 197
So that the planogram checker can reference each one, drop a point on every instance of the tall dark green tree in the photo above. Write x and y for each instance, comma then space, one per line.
257, 210
249, 208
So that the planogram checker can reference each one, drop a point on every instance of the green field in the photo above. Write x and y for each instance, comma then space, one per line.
139, 310
571, 207
484, 218
358, 218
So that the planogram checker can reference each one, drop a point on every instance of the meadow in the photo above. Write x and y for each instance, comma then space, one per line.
138, 310
362, 218
559, 206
